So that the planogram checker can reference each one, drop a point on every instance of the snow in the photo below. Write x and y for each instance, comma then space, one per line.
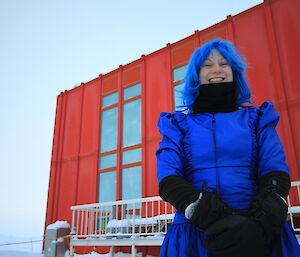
143, 221
59, 224
19, 254
119, 223
165, 216
92, 254
294, 209
7, 243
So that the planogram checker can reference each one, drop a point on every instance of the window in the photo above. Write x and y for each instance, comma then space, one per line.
179, 73
107, 193
108, 161
132, 188
131, 183
107, 186
178, 83
132, 91
109, 126
129, 147
178, 97
108, 143
110, 99
132, 156
132, 136
132, 123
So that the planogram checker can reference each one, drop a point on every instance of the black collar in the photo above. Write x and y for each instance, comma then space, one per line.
216, 97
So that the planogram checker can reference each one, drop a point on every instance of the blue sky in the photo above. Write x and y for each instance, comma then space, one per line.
50, 46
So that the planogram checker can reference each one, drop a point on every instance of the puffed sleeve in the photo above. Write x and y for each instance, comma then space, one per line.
169, 156
271, 156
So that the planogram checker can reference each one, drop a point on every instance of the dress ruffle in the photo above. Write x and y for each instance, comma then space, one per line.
172, 126
270, 149
174, 130
268, 116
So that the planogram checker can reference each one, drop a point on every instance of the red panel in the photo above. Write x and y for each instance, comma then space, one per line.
89, 144
287, 27
90, 118
109, 83
87, 184
217, 31
285, 15
67, 189
252, 41
61, 128
54, 164
151, 181
182, 53
144, 134
72, 124
158, 91
119, 143
131, 74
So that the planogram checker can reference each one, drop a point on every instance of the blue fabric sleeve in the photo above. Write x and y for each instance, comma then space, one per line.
271, 154
169, 156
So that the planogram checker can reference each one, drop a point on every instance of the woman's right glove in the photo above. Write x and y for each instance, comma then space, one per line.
202, 208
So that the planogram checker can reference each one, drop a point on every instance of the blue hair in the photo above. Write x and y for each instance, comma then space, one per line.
236, 61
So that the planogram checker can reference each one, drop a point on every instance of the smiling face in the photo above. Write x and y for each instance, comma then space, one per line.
215, 69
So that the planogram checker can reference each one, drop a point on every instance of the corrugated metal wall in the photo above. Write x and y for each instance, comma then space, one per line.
267, 34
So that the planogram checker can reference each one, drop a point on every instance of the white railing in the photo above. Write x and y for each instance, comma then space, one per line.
137, 222
294, 205
128, 222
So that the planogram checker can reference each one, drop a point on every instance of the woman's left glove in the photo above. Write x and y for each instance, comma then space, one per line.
236, 236
270, 207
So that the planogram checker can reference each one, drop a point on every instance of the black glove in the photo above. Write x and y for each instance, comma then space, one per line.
208, 210
180, 193
236, 236
270, 208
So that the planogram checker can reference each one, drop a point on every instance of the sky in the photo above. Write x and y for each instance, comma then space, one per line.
47, 47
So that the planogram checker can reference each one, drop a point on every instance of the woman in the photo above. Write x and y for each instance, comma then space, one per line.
222, 165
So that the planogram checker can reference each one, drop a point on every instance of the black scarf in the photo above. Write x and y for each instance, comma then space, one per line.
216, 97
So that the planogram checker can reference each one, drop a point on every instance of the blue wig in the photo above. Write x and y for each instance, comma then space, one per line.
234, 59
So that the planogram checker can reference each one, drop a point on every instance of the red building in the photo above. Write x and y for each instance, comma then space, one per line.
105, 134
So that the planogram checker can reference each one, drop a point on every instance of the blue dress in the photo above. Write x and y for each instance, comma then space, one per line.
227, 150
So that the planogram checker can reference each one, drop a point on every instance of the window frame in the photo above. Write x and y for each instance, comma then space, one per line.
121, 149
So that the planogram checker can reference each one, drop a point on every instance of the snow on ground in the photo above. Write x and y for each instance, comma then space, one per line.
93, 254
19, 254
13, 243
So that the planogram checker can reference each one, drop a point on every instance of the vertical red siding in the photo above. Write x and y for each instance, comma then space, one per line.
61, 131
54, 163
67, 184
119, 131
181, 53
286, 23
145, 169
158, 97
89, 145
